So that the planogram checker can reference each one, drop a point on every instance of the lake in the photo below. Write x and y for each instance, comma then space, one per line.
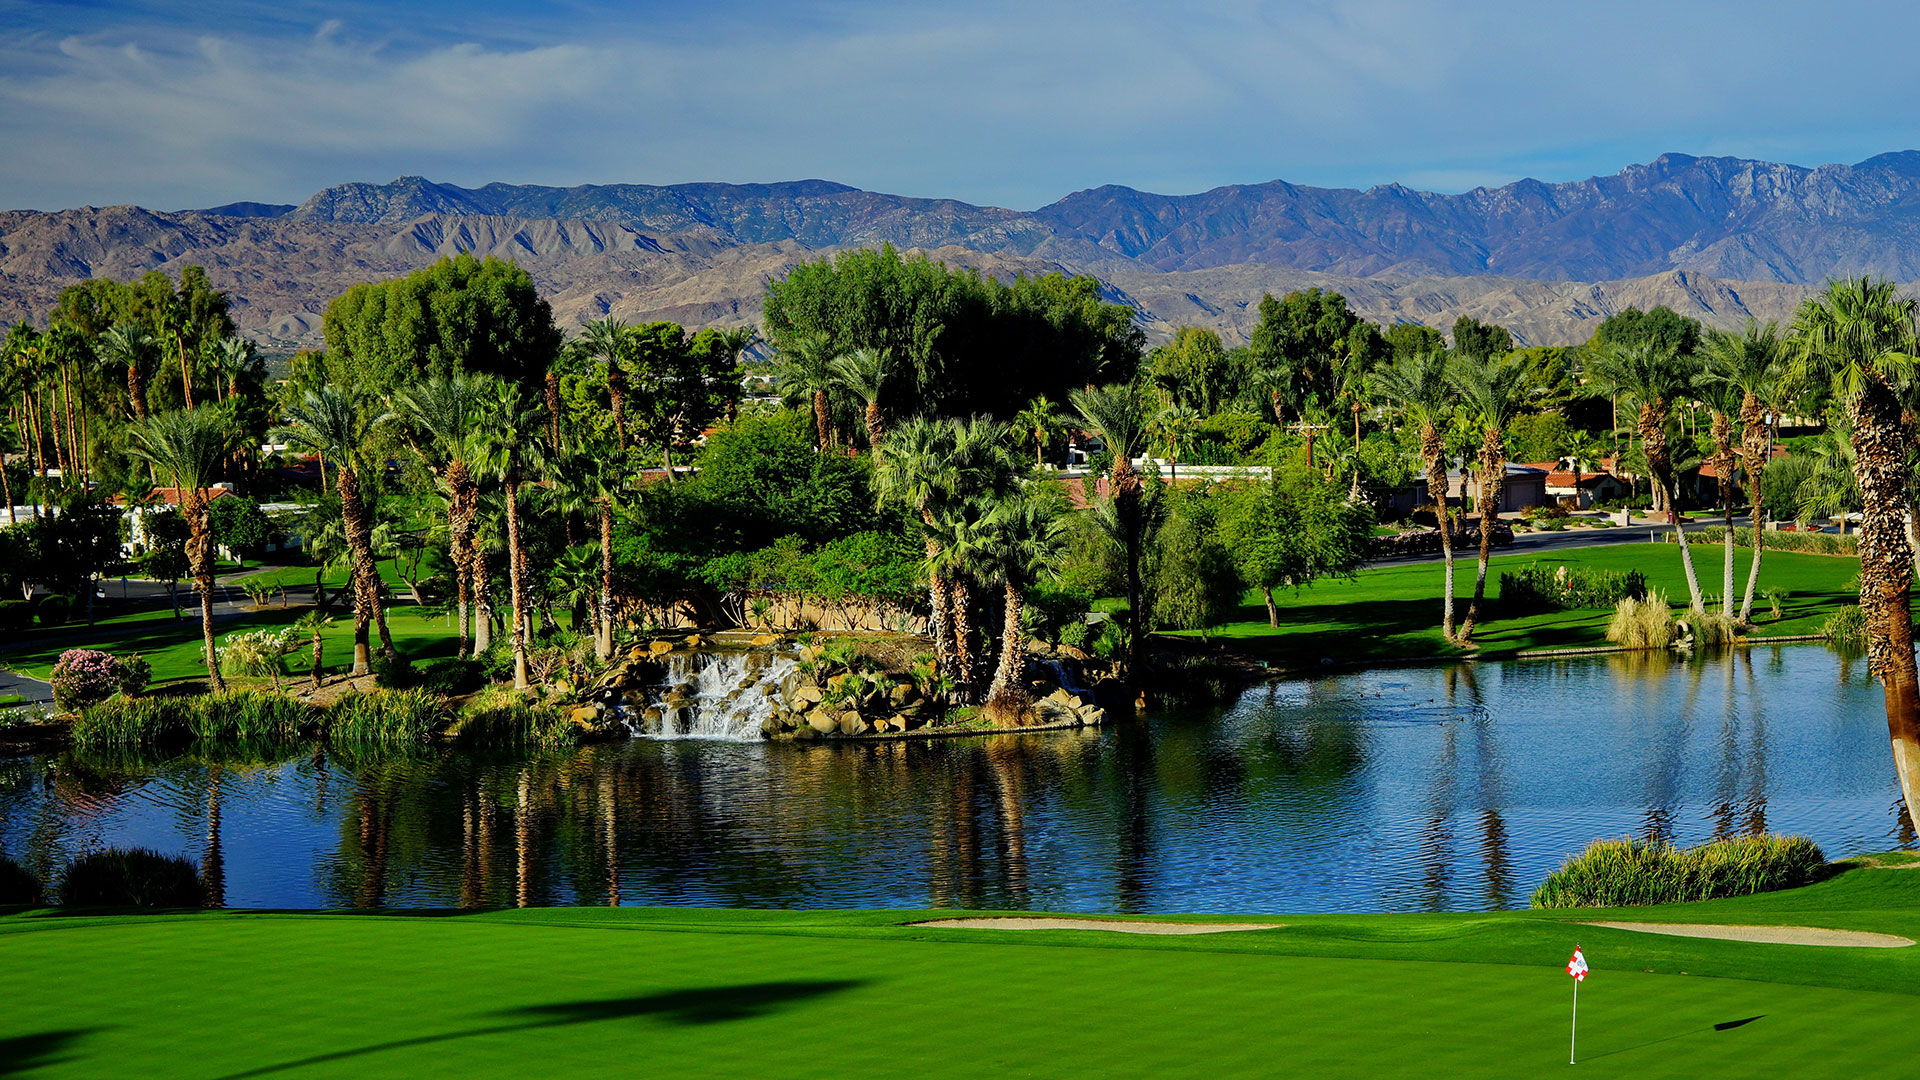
1453, 787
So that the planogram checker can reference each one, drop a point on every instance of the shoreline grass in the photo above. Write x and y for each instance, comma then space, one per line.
588, 991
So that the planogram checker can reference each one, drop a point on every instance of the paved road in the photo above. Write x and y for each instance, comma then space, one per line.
33, 690
1548, 542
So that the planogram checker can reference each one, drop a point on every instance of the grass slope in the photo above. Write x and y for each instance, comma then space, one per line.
1394, 611
693, 993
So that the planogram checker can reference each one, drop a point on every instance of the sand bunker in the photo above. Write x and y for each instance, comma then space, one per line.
1120, 926
1769, 935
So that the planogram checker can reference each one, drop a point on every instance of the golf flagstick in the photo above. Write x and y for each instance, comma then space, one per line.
1576, 967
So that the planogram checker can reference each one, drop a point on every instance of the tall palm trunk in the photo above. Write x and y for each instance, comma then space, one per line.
137, 391
1008, 695
1126, 495
1723, 462
193, 504
822, 419
960, 607
1493, 474
1886, 572
482, 602
553, 409
462, 492
1435, 451
1753, 425
1653, 439
6, 490
366, 568
617, 391
603, 612
940, 600
876, 431
515, 558
186, 374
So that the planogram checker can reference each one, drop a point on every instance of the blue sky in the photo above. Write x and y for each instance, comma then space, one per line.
1012, 104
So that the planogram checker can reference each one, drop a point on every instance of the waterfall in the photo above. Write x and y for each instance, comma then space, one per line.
1066, 681
712, 695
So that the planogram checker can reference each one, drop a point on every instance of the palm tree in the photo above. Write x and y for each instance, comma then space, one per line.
131, 347
231, 357
736, 342
866, 374
1654, 376
1490, 388
608, 339
1830, 488
596, 479
1174, 428
314, 624
1418, 383
1858, 334
1114, 413
1043, 420
1753, 365
1023, 542
331, 422
806, 372
444, 418
514, 448
187, 445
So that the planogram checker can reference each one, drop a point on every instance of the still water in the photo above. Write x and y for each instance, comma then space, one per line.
1433, 788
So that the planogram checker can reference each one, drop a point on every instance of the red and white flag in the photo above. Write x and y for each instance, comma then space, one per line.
1577, 967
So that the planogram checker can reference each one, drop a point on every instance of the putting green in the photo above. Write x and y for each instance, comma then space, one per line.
680, 993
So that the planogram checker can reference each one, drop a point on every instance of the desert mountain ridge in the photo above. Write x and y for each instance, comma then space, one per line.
1722, 239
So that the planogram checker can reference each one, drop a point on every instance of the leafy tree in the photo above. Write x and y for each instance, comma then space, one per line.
1663, 328
1195, 582
1306, 342
1413, 339
1191, 370
459, 315
677, 386
1480, 340
166, 555
239, 525
1292, 530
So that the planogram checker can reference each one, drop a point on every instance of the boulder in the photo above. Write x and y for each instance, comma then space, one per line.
852, 724
694, 641
770, 727
900, 694
584, 715
762, 640
660, 648
819, 721
808, 695
901, 721
1093, 717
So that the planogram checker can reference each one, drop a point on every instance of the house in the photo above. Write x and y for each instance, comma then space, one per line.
1584, 488
1704, 482
1524, 486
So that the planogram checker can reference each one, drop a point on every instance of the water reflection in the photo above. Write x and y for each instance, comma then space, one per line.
1433, 788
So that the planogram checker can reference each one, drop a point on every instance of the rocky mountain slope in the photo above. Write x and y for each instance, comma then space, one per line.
1723, 239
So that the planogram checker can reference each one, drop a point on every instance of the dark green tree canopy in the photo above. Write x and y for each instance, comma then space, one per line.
1193, 369
972, 344
1480, 340
1666, 328
1307, 342
480, 316
1412, 339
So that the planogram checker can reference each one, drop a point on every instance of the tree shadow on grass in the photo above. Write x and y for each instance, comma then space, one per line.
703, 1005
23, 1053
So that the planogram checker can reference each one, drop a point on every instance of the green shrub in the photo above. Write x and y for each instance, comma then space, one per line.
396, 673
144, 721
15, 614
1629, 873
53, 610
1642, 622
130, 877
1811, 543
386, 716
254, 715
452, 677
1847, 627
503, 718
18, 886
1538, 588
135, 674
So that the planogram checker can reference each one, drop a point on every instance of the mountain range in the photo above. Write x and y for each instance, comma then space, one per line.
1720, 238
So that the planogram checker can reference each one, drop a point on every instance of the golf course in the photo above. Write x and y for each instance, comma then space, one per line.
687, 993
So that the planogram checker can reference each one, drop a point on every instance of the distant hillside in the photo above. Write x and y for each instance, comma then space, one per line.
1722, 239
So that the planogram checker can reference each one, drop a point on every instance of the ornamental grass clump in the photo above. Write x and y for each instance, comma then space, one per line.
1847, 627
144, 721
1642, 622
386, 716
84, 677
501, 717
1710, 628
1631, 873
130, 877
253, 715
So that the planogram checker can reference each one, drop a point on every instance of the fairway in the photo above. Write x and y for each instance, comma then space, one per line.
677, 992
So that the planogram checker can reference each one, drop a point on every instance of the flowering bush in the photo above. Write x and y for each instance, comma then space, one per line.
255, 652
84, 677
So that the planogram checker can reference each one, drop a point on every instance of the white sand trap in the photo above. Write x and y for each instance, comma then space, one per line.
1768, 935
1119, 926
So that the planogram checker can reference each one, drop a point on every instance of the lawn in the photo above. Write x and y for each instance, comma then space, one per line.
697, 993
1394, 611
174, 649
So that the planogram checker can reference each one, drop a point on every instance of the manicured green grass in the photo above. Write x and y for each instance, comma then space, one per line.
174, 648
693, 993
1394, 611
